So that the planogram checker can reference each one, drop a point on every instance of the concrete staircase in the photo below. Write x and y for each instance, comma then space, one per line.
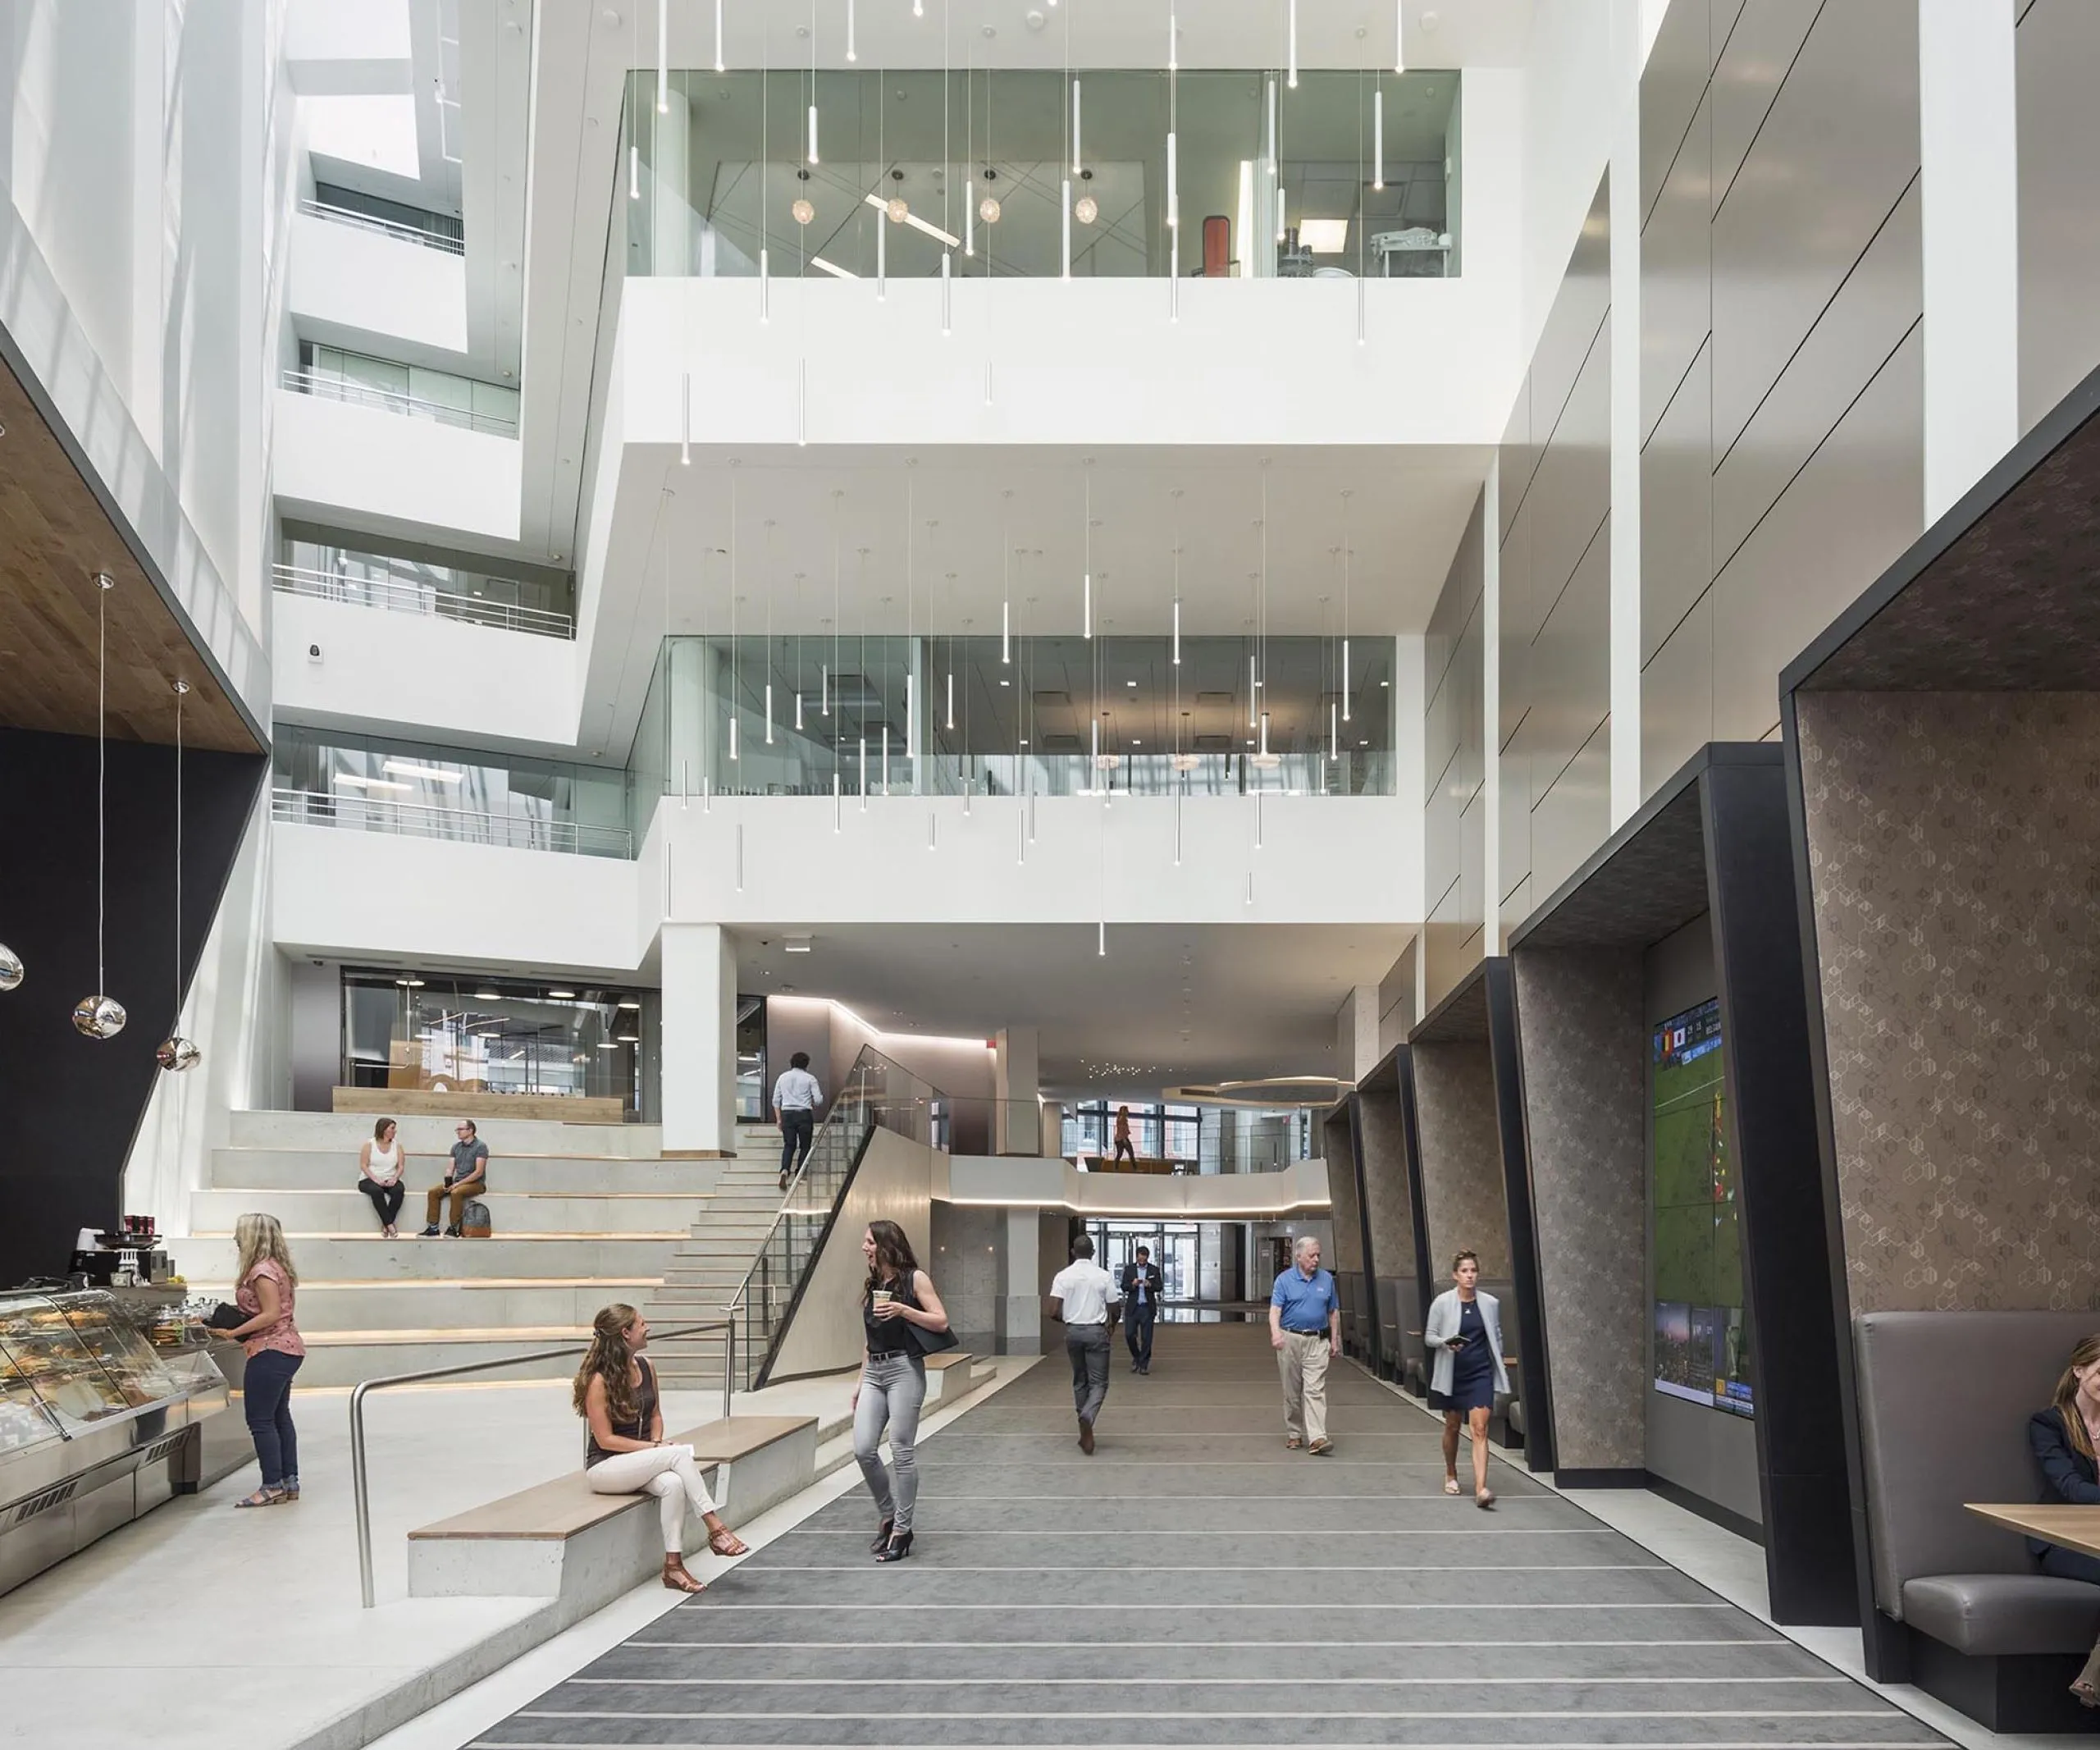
706, 1270
583, 1215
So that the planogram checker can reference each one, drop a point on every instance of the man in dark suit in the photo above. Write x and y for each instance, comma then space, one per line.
1141, 1285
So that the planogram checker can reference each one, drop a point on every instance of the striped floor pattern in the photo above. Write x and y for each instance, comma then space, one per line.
1194, 1583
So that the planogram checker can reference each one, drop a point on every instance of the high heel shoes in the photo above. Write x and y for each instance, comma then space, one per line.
896, 1549
882, 1538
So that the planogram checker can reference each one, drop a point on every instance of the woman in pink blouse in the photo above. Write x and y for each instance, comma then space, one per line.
266, 1287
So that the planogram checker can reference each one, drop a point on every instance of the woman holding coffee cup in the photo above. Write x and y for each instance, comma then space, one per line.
898, 1295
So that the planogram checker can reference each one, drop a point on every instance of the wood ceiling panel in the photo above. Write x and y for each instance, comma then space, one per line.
54, 536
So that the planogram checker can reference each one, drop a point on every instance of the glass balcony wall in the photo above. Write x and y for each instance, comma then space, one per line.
392, 218
329, 778
717, 178
411, 390
332, 567
1066, 716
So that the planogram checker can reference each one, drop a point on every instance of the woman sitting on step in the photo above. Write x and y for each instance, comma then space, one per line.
628, 1455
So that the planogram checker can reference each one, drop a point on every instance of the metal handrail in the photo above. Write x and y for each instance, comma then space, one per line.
359, 1479
393, 401
416, 819
399, 596
430, 239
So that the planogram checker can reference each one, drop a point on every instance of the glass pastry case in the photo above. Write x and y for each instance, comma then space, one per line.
97, 1424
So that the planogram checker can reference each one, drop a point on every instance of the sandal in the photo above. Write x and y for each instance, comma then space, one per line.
1450, 1485
263, 1498
1484, 1498
677, 1579
1293, 1444
726, 1542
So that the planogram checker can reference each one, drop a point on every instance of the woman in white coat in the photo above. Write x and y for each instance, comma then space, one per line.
1464, 1333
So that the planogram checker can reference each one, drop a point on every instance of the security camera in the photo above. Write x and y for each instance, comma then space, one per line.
313, 653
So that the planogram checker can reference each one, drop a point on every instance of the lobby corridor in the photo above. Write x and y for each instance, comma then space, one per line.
1194, 1582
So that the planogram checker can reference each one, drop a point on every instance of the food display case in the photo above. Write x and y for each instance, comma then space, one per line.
97, 1424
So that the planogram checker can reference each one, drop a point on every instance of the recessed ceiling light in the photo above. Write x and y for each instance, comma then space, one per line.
410, 983
1129, 683
561, 993
608, 1045
627, 1002
486, 996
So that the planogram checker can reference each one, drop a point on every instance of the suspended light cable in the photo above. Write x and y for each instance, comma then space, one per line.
1348, 555
663, 57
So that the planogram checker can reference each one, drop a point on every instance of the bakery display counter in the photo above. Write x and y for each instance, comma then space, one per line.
98, 1425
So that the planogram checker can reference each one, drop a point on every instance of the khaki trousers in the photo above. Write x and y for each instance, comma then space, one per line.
1302, 1363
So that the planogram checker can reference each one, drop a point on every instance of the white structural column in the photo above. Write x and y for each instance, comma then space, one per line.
1490, 694
1021, 1294
1968, 135
1016, 1119
1631, 35
700, 1041
670, 153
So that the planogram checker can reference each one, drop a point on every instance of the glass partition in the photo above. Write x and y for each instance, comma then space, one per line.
1070, 716
1351, 173
350, 568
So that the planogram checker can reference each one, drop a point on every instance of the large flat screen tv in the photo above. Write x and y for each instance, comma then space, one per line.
1702, 1342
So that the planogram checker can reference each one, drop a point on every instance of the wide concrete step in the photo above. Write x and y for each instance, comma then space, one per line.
365, 1257
422, 1134
348, 1210
492, 1304
350, 1358
320, 1169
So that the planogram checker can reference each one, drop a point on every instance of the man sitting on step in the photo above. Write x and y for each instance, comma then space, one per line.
469, 1174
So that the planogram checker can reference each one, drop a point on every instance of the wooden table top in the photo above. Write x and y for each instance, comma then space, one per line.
2068, 1527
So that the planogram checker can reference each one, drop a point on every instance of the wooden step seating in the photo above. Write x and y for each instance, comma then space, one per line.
561, 1541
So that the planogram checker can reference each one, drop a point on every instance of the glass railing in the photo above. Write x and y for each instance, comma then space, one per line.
877, 1094
424, 230
401, 594
851, 175
382, 814
412, 390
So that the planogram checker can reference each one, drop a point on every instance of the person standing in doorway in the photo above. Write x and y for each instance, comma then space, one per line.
1142, 1283
1305, 1330
469, 1174
896, 1296
795, 1098
1081, 1295
1464, 1333
1126, 1150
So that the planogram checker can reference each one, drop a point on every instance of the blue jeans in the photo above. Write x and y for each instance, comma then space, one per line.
266, 1396
1137, 1329
797, 1129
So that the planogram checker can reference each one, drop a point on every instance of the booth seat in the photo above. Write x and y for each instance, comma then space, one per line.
1943, 1404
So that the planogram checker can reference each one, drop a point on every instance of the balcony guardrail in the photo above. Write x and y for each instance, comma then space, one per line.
388, 400
399, 596
430, 239
415, 820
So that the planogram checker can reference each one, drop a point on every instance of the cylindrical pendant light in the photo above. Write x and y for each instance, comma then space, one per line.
685, 420
885, 759
1005, 633
1292, 8
1173, 183
1399, 33
1075, 127
663, 57
798, 712
1253, 696
1086, 539
851, 53
1177, 620
634, 173
765, 285
1272, 125
947, 311
1377, 137
733, 754
1334, 733
813, 132
722, 66
882, 257
825, 683
864, 775
1101, 939
951, 721
970, 217
768, 705
1065, 233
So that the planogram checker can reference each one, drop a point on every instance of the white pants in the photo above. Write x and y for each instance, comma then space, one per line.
668, 1473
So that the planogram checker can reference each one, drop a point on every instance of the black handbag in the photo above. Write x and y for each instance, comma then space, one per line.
929, 1343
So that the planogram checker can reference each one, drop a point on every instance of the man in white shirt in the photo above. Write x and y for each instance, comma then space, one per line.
1082, 1294
795, 1098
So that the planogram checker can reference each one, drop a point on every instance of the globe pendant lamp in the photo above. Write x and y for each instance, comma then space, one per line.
99, 1017
175, 1054
10, 968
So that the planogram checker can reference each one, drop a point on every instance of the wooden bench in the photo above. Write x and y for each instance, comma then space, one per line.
956, 1374
563, 1541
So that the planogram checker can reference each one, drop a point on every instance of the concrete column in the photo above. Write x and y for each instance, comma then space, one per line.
699, 966
1633, 25
1968, 145
1356, 1033
1016, 1122
1021, 1296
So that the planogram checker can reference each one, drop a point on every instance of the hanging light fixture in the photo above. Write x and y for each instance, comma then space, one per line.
1075, 127
663, 57
1377, 136
1086, 594
722, 66
175, 1054
1086, 210
1347, 555
12, 973
851, 53
1293, 7
1399, 33
99, 1016
1176, 496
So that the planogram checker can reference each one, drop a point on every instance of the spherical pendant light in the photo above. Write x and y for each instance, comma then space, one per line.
176, 1054
803, 212
99, 1017
10, 968
898, 210
988, 209
1086, 210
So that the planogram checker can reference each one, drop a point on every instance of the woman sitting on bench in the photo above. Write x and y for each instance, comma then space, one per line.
616, 1393
2062, 1438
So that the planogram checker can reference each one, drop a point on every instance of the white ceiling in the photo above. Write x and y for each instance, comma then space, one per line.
1171, 1003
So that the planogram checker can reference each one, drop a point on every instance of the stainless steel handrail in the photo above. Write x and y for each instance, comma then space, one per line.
414, 820
360, 1479
430, 239
399, 596
329, 388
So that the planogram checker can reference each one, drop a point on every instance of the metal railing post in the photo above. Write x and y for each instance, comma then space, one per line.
362, 1493
728, 1363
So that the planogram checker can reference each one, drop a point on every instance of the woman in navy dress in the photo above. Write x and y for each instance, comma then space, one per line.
1464, 1333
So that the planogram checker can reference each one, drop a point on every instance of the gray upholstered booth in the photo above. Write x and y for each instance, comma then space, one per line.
1942, 738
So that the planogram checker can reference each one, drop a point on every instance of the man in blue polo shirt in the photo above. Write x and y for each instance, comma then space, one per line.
1305, 1330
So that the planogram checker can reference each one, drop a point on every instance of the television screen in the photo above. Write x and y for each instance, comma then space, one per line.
1702, 1351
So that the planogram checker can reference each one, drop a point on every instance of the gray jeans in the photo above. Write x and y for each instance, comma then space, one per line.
893, 1390
1087, 1346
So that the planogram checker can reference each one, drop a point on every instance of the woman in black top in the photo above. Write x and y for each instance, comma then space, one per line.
897, 1296
2063, 1440
626, 1453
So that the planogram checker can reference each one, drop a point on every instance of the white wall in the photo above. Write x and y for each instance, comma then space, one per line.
1570, 107
349, 286
385, 470
349, 895
1324, 860
422, 676
1007, 1181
